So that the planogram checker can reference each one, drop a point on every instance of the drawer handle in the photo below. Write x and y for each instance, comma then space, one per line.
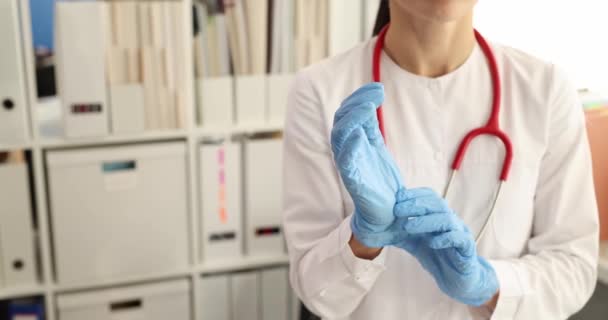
223, 236
8, 104
117, 166
126, 305
18, 264
267, 231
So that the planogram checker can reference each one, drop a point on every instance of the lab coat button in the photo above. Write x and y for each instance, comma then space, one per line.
323, 293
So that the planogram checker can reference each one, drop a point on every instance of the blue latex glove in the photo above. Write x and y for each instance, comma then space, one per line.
445, 247
367, 169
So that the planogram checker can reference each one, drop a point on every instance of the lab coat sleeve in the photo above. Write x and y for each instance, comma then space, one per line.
558, 274
324, 273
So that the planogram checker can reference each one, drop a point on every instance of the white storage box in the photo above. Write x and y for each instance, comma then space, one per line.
216, 102
215, 297
127, 103
250, 92
245, 297
161, 301
118, 211
221, 214
17, 267
263, 190
278, 90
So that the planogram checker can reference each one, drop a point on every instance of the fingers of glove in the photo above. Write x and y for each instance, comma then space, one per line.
404, 194
354, 119
460, 240
354, 147
432, 223
372, 130
372, 92
421, 206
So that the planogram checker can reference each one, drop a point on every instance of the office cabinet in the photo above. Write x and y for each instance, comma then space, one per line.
159, 301
263, 295
215, 297
17, 264
263, 197
244, 296
118, 211
275, 294
13, 93
221, 209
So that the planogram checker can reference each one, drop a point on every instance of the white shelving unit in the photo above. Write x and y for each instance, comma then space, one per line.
21, 292
193, 135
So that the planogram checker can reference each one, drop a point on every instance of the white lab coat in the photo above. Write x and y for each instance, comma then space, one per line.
543, 238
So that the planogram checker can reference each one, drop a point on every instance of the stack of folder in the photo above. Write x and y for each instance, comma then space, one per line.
17, 253
246, 52
13, 84
121, 66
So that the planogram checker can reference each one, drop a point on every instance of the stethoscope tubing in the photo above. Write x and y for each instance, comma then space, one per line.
492, 127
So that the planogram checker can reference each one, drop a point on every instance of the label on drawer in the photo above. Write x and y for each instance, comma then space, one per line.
25, 317
117, 181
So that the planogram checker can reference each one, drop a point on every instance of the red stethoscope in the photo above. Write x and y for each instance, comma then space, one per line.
491, 128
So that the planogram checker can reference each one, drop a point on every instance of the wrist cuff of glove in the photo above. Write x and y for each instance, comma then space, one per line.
363, 233
488, 284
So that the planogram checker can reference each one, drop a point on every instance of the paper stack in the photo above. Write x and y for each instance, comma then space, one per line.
121, 66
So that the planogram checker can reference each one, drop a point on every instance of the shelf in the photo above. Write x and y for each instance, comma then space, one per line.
15, 146
121, 281
251, 129
20, 292
238, 129
243, 264
55, 143
50, 127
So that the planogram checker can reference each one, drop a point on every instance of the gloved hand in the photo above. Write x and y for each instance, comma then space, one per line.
367, 169
445, 247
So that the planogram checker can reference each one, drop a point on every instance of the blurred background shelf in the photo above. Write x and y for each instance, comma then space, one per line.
15, 146
57, 142
244, 263
204, 132
21, 292
119, 282
48, 112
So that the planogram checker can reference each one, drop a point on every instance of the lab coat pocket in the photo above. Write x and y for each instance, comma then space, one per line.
472, 195
510, 226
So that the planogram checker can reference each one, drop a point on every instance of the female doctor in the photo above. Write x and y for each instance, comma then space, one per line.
377, 224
